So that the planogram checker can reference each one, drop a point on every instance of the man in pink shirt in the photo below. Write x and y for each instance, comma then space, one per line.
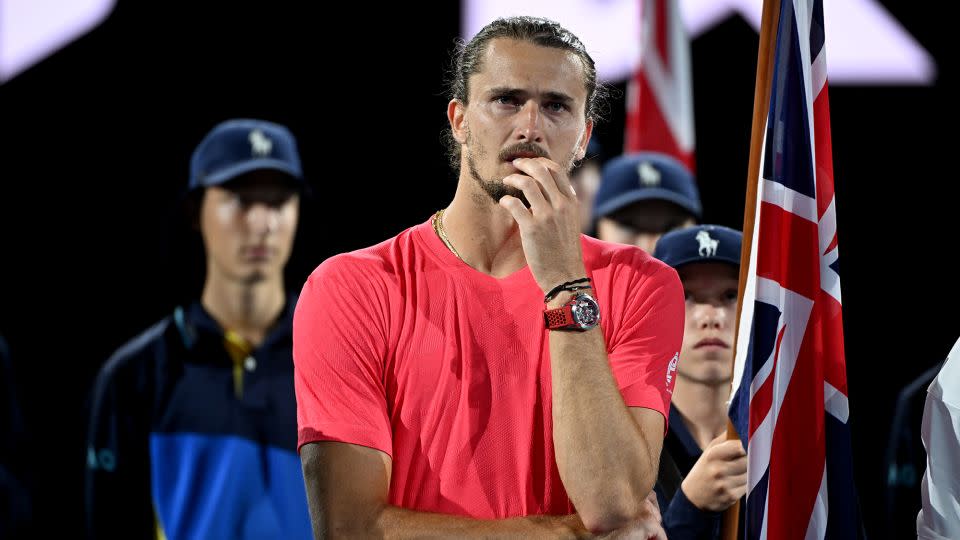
492, 372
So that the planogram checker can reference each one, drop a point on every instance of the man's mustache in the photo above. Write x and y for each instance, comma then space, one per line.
523, 148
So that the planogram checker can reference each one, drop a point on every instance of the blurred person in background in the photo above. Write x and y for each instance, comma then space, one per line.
585, 179
643, 195
905, 457
15, 497
192, 431
939, 517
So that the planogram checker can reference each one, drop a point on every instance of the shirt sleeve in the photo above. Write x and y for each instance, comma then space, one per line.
117, 473
939, 516
339, 349
684, 520
645, 348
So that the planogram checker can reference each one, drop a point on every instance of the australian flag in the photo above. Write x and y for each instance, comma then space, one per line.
790, 404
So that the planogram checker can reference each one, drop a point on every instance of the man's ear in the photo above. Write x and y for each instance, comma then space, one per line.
458, 120
584, 141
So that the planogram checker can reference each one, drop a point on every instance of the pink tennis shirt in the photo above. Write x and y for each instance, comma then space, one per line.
404, 348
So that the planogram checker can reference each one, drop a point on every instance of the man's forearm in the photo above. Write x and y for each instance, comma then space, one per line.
392, 522
347, 492
606, 465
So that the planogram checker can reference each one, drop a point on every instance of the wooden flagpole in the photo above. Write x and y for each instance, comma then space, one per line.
761, 103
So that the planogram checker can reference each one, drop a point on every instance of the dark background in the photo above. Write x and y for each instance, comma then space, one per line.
96, 142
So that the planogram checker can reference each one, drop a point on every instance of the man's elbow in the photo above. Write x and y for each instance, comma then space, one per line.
332, 518
611, 519
346, 525
618, 511
336, 531
605, 522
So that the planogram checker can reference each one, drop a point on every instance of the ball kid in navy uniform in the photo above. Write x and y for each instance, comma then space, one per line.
701, 473
192, 430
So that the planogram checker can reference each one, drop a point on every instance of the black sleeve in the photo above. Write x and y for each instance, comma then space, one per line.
15, 499
117, 477
684, 521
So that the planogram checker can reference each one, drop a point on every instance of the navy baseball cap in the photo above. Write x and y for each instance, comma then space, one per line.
644, 176
238, 146
700, 243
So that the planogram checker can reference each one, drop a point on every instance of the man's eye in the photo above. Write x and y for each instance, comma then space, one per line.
505, 100
556, 106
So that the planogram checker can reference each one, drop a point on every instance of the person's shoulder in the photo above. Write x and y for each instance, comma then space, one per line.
946, 385
600, 255
137, 351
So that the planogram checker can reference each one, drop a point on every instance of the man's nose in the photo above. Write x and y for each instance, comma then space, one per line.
529, 118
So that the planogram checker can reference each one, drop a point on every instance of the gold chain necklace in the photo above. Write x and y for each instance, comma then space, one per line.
437, 223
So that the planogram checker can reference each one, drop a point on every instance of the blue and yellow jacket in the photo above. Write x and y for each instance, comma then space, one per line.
193, 434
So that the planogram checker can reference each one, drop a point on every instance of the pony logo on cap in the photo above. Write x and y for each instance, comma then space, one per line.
260, 145
649, 175
708, 246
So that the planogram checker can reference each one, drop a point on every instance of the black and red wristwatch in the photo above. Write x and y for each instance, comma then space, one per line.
581, 313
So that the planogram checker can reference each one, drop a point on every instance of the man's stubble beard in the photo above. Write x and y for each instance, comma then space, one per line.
494, 187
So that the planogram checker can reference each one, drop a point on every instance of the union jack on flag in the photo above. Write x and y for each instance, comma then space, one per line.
790, 403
